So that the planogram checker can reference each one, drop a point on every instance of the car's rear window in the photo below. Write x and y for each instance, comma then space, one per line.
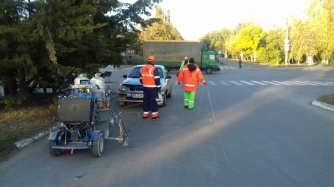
135, 72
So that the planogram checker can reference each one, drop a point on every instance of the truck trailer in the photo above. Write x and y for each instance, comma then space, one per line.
170, 54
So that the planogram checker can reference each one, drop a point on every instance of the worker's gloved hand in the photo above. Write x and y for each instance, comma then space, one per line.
178, 83
204, 83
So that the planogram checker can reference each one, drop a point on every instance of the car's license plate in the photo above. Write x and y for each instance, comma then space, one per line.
137, 95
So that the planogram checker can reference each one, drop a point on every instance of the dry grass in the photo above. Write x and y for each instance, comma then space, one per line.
24, 122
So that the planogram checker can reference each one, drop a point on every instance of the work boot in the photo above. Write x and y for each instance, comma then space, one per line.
185, 106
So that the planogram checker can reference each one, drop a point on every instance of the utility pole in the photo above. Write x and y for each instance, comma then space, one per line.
286, 45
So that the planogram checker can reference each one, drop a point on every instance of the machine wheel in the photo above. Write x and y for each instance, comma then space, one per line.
54, 152
98, 146
208, 70
169, 95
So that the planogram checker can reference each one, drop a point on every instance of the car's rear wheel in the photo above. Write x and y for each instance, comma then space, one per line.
164, 98
169, 95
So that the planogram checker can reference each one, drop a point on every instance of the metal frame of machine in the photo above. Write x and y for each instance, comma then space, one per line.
85, 118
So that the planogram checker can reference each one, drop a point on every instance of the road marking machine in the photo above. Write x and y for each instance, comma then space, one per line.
86, 118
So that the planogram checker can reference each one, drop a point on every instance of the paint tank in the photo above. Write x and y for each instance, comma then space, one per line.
98, 86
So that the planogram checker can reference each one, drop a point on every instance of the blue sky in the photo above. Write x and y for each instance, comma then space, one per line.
194, 18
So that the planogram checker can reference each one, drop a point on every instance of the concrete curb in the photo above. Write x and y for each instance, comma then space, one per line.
22, 143
323, 105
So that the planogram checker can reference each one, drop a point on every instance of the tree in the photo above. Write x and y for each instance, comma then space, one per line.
320, 28
247, 41
271, 47
159, 28
43, 42
298, 37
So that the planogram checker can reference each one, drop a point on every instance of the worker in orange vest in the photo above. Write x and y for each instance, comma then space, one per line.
190, 75
150, 78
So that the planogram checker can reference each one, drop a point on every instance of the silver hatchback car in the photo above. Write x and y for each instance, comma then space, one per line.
131, 90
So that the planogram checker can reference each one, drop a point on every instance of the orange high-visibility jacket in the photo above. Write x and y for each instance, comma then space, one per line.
190, 79
149, 76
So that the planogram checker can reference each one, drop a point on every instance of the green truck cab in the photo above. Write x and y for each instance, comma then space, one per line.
171, 53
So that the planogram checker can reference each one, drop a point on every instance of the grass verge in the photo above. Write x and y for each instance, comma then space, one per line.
329, 99
24, 122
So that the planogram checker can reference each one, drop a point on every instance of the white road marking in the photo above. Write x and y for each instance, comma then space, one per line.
236, 83
247, 83
257, 82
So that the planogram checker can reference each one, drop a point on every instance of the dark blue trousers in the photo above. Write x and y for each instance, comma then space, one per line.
149, 102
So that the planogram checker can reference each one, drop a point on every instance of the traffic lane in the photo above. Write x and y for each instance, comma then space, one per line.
175, 150
158, 155
149, 150
267, 133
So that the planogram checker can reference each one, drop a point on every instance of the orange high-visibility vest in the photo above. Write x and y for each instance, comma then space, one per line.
190, 79
147, 76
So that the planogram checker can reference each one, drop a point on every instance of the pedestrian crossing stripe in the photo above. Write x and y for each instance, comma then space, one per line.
269, 83
232, 67
247, 82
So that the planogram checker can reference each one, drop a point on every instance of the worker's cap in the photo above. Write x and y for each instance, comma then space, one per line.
151, 58
192, 60
186, 58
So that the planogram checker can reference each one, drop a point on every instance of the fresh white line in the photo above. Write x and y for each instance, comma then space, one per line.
220, 141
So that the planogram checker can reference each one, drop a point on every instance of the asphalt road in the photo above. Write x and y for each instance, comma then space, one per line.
253, 126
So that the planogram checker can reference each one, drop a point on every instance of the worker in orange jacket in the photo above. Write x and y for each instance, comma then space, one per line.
190, 75
150, 78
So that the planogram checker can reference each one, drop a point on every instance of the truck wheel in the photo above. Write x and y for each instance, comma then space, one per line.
208, 70
54, 152
98, 146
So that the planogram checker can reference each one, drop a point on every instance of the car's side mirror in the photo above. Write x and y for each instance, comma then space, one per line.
125, 76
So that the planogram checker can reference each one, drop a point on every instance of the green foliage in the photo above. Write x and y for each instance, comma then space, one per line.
11, 102
7, 141
44, 42
270, 49
313, 36
158, 28
247, 40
